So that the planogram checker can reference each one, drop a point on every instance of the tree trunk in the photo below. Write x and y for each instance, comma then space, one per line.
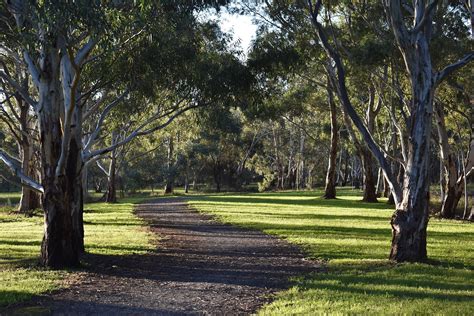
59, 247
170, 172
186, 185
75, 193
217, 176
370, 188
30, 200
346, 169
330, 189
452, 183
449, 170
85, 181
471, 8
370, 194
409, 232
111, 183
410, 220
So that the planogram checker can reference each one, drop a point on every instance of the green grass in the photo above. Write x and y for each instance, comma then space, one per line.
110, 229
354, 239
9, 198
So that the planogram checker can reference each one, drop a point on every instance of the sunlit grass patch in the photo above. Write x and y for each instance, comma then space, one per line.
354, 238
8, 201
110, 229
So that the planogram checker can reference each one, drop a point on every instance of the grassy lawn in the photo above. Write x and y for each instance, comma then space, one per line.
9, 198
110, 229
354, 239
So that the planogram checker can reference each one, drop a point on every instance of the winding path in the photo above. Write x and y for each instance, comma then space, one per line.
200, 267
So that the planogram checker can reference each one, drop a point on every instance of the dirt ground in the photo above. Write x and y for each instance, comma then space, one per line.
200, 267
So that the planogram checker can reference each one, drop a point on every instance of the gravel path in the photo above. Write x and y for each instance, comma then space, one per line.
200, 267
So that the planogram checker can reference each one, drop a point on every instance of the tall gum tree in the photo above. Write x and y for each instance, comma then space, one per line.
58, 41
409, 221
16, 113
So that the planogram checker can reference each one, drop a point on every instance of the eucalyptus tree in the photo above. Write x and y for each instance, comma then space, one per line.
453, 113
289, 25
18, 118
60, 42
413, 39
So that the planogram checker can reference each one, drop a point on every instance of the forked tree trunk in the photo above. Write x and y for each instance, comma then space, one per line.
59, 247
330, 189
452, 196
410, 220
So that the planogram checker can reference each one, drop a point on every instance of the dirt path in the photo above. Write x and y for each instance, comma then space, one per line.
200, 267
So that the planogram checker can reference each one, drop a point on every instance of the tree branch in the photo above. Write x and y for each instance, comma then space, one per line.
139, 132
83, 53
9, 161
18, 88
32, 68
339, 81
103, 115
426, 17
453, 67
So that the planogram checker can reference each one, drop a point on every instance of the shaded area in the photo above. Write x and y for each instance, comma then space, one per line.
200, 266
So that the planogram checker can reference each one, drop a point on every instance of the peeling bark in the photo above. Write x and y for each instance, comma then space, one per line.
60, 247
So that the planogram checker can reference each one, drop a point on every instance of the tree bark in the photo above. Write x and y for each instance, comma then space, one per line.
370, 188
330, 189
59, 247
410, 220
452, 181
111, 183
30, 200
169, 186
370, 194
217, 175
75, 193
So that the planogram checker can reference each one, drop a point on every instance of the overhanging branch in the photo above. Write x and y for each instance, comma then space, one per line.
9, 161
454, 66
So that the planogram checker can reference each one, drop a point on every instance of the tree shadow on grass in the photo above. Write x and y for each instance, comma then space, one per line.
317, 201
401, 286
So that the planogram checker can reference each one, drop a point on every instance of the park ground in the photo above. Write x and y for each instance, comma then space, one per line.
351, 238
